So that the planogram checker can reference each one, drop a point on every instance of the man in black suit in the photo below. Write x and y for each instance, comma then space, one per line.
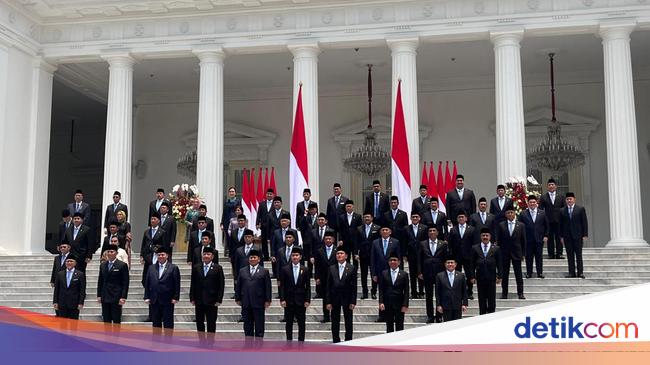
537, 228
415, 233
112, 286
265, 206
348, 224
59, 263
237, 235
486, 273
318, 233
335, 206
460, 199
500, 204
324, 258
341, 293
461, 238
511, 238
431, 261
397, 220
113, 231
253, 294
203, 213
451, 292
482, 218
154, 205
376, 203
240, 259
195, 238
421, 203
79, 206
78, 236
278, 239
382, 248
306, 232
283, 254
394, 295
66, 222
111, 209
302, 208
162, 290
168, 225
152, 237
574, 231
207, 242
366, 234
295, 294
434, 217
552, 203
69, 290
206, 291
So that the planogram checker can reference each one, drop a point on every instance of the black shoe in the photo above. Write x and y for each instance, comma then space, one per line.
504, 296
581, 276
421, 295
528, 276
570, 276
414, 296
559, 257
552, 257
374, 296
282, 320
540, 276
431, 320
277, 296
521, 296
232, 296
325, 320
148, 319
471, 297
241, 319
365, 296
317, 296
379, 320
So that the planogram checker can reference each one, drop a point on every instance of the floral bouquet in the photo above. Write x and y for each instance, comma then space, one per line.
518, 191
181, 198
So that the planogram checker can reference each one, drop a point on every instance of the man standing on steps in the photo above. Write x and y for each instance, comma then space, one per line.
575, 229
162, 290
511, 238
537, 227
69, 290
552, 203
206, 291
295, 294
253, 294
451, 292
79, 237
431, 261
486, 271
112, 286
324, 258
394, 295
341, 294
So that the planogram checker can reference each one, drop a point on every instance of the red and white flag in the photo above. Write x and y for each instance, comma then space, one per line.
442, 193
298, 167
433, 188
400, 172
252, 198
267, 184
424, 177
272, 182
245, 199
261, 193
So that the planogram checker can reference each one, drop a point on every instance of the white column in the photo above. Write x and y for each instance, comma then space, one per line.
510, 134
38, 156
626, 226
404, 54
119, 126
305, 71
209, 144
4, 72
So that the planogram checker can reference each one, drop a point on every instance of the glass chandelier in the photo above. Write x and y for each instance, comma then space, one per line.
554, 153
186, 165
370, 158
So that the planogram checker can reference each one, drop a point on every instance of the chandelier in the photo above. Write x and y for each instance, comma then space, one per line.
370, 158
186, 165
554, 153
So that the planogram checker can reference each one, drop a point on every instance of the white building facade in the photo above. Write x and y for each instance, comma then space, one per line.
474, 88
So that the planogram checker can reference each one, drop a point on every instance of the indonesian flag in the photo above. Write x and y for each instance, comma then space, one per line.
449, 181
272, 182
433, 188
424, 178
298, 171
245, 191
261, 193
267, 184
253, 201
442, 193
401, 172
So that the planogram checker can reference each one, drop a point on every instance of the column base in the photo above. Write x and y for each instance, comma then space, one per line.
627, 242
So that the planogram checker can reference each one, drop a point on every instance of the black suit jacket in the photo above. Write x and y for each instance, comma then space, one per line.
511, 246
262, 214
455, 204
198, 255
397, 225
82, 246
121, 241
486, 268
316, 241
348, 232
301, 208
56, 267
535, 231
576, 226
295, 293
194, 242
234, 242
394, 296
369, 206
440, 223
281, 257
552, 209
451, 297
379, 261
364, 243
277, 242
111, 210
461, 248
417, 206
209, 224
273, 222
253, 291
334, 211
431, 263
240, 260
113, 285
207, 289
165, 288
414, 239
62, 228
85, 211
170, 229
150, 242
74, 295
341, 291
476, 222
152, 206
500, 214
322, 263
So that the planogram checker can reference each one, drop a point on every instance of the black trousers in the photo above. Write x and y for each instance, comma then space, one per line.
336, 322
320, 290
574, 255
452, 314
467, 269
111, 312
162, 315
429, 287
253, 321
206, 313
487, 296
265, 244
72, 313
81, 265
417, 285
394, 319
297, 312
534, 251
553, 245
505, 274
364, 266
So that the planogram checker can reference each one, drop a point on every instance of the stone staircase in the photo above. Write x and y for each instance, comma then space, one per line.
24, 283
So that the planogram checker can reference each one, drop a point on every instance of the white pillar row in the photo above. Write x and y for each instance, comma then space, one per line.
510, 134
305, 71
38, 156
625, 218
119, 129
4, 72
209, 144
404, 54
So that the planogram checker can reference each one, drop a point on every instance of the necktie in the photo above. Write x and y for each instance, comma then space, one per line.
322, 230
485, 250
432, 247
164, 217
63, 259
367, 230
570, 212
240, 232
483, 217
501, 202
460, 194
295, 274
68, 278
110, 266
76, 231
341, 268
434, 216
415, 231
337, 202
393, 275
200, 234
329, 252
253, 270
78, 207
246, 250
461, 230
385, 246
394, 214
288, 253
424, 199
284, 233
451, 278
161, 269
533, 214
552, 196
114, 207
511, 227
205, 270
376, 205
153, 233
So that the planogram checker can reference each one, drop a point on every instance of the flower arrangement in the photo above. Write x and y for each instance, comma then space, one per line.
181, 198
518, 191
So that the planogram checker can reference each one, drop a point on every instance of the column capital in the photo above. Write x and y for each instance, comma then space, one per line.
398, 45
616, 30
122, 60
311, 50
506, 37
210, 54
43, 64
